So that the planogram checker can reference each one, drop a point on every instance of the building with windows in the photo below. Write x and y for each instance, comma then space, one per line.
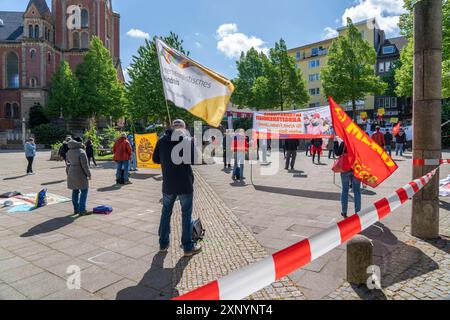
311, 58
34, 42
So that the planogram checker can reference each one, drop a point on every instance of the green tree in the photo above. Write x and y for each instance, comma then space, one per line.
404, 74
100, 91
37, 116
390, 79
63, 98
250, 67
144, 92
349, 75
285, 81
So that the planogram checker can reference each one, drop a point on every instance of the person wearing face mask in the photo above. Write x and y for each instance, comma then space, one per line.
178, 183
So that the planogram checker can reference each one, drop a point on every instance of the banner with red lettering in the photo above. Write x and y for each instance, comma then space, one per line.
370, 163
300, 124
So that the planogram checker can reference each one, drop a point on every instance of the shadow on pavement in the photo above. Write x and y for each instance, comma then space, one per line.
157, 279
398, 260
50, 226
143, 176
366, 294
368, 192
444, 205
442, 244
15, 178
52, 183
334, 196
115, 187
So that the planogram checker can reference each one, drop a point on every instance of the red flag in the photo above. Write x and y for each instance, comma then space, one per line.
370, 163
396, 130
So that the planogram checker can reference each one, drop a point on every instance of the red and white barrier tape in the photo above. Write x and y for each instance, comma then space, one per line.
250, 279
430, 162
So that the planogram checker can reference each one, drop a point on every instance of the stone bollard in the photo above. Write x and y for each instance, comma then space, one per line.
359, 259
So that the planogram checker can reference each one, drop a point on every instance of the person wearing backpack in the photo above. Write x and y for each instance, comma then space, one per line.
122, 155
178, 183
348, 178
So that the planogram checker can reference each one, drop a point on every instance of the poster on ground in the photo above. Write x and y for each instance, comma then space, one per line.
145, 146
299, 124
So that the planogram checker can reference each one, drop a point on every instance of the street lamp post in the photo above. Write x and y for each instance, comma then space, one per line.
427, 110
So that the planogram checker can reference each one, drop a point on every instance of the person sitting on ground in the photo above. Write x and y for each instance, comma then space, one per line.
122, 156
78, 176
30, 153
348, 178
178, 182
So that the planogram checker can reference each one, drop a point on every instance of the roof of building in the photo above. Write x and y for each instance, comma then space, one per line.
399, 42
41, 5
12, 28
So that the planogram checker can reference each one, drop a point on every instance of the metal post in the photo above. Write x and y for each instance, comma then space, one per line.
23, 130
427, 113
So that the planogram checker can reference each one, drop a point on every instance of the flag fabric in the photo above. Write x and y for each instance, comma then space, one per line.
193, 87
370, 163
145, 146
396, 130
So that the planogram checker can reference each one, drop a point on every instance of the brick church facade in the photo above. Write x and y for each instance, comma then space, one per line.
33, 44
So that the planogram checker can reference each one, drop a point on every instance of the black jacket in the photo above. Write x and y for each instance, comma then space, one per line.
178, 179
388, 138
318, 143
400, 138
339, 150
89, 149
291, 145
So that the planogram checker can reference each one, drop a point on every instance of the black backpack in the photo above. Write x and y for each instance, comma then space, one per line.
198, 232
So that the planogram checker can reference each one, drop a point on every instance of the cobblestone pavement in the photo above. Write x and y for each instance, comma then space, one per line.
117, 254
285, 208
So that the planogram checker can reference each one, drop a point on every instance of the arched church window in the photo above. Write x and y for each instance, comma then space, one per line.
84, 40
84, 18
16, 111
8, 111
12, 70
36, 31
75, 40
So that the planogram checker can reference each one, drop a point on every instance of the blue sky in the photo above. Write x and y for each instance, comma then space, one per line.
216, 31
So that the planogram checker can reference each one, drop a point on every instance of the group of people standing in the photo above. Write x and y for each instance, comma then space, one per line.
386, 140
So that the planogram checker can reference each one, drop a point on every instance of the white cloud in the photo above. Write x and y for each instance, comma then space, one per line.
198, 44
386, 12
329, 33
136, 33
232, 43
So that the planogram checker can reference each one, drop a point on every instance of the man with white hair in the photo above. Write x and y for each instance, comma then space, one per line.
178, 182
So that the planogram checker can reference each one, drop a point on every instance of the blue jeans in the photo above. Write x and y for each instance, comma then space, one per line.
186, 211
388, 149
346, 178
239, 160
79, 198
399, 148
133, 163
125, 166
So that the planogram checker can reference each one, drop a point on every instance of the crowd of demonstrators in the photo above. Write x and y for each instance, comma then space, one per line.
348, 179
316, 148
90, 152
133, 161
178, 182
78, 175
122, 155
30, 153
291, 147
240, 148
400, 141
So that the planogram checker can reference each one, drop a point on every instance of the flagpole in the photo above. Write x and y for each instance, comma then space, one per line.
161, 73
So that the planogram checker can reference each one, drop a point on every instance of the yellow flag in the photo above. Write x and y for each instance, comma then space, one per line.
145, 146
193, 87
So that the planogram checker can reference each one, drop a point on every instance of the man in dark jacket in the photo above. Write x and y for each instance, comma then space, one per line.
400, 141
178, 182
388, 140
291, 146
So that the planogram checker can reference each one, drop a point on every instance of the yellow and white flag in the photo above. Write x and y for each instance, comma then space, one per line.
193, 87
